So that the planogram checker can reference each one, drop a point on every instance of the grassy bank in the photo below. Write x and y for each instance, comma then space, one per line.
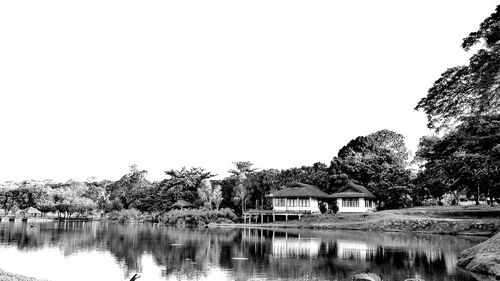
5, 276
455, 220
483, 258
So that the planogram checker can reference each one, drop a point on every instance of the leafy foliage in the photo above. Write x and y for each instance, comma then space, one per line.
198, 217
468, 90
467, 158
379, 162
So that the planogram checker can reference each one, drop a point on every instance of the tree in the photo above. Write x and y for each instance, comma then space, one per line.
379, 162
466, 158
46, 201
129, 188
468, 90
7, 200
206, 193
217, 196
241, 189
209, 194
262, 183
180, 184
394, 142
241, 192
244, 167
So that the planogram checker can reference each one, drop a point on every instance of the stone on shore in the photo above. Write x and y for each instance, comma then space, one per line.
483, 258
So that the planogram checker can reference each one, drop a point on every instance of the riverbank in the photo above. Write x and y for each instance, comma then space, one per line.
5, 276
454, 220
483, 258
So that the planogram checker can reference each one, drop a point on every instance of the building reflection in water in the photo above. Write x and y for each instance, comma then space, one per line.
239, 254
294, 246
354, 250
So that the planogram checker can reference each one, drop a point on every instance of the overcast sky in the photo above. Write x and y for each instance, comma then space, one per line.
89, 87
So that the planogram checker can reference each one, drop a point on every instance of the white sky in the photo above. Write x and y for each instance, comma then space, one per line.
89, 87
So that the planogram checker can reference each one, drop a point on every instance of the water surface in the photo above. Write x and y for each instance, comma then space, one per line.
61, 251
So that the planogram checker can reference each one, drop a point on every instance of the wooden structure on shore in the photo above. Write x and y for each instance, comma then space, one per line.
270, 215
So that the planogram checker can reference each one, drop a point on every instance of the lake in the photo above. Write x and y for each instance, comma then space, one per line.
62, 251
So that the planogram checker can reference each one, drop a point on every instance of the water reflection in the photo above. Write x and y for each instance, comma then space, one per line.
163, 253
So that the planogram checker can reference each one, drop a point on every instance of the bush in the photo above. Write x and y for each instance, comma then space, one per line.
322, 208
127, 215
198, 216
334, 207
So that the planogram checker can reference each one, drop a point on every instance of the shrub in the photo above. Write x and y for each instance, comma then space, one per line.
334, 207
127, 215
198, 216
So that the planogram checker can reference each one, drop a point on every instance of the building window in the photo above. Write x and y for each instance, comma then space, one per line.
304, 202
350, 202
368, 203
292, 202
279, 202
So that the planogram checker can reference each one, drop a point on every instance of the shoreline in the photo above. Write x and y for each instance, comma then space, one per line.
329, 227
7, 276
441, 221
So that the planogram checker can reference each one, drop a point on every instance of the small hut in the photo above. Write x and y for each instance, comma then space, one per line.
30, 212
181, 204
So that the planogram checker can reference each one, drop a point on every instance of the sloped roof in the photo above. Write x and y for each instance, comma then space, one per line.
351, 190
299, 190
182, 203
31, 210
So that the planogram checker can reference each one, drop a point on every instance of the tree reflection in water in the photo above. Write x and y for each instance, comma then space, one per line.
189, 253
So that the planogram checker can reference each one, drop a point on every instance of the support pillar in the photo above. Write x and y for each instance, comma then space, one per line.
261, 218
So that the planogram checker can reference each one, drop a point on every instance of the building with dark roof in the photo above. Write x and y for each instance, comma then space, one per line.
299, 197
30, 212
354, 198
181, 204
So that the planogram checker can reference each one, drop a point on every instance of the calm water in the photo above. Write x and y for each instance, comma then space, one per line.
108, 251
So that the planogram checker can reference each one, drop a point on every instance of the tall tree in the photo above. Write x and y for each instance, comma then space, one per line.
206, 193
379, 162
468, 90
181, 184
129, 188
217, 196
241, 189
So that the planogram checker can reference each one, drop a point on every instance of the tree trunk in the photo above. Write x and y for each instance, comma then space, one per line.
477, 195
457, 198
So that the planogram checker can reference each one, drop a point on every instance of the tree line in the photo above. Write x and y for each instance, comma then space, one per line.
463, 155
378, 161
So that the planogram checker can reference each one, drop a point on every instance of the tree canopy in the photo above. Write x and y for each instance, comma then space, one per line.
472, 89
467, 158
